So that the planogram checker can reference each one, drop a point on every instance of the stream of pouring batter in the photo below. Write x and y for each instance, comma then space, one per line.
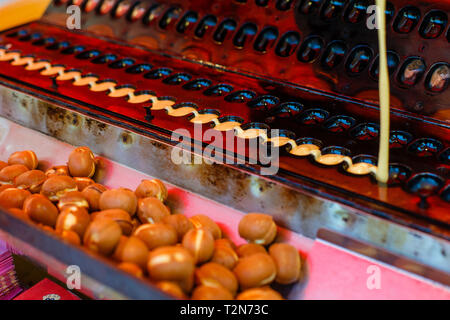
384, 94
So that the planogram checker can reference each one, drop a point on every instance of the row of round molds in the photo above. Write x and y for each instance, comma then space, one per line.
433, 23
423, 184
312, 49
422, 147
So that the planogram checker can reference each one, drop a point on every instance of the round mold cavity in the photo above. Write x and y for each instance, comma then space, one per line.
407, 19
241, 96
358, 60
262, 3
438, 78
73, 50
152, 14
25, 38
266, 39
23, 60
53, 70
253, 130
182, 109
137, 11
177, 78
105, 7
38, 65
88, 54
425, 147
141, 96
19, 33
332, 156
121, 9
189, 19
139, 68
334, 54
227, 26
158, 73
63, 45
10, 55
32, 37
411, 72
287, 44
445, 194
310, 49
245, 34
106, 58
197, 84
165, 98
85, 79
365, 131
393, 61
433, 24
121, 63
90, 5
122, 91
162, 103
227, 123
362, 165
280, 138
103, 85
69, 74
43, 41
444, 156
